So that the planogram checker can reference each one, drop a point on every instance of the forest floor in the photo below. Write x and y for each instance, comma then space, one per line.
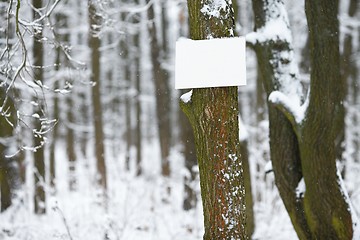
139, 207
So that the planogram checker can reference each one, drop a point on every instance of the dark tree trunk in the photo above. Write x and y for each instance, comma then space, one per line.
283, 142
306, 148
70, 143
328, 217
189, 151
39, 158
249, 202
8, 171
162, 90
94, 44
55, 131
217, 142
138, 132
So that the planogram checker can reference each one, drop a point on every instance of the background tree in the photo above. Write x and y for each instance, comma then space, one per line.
94, 44
162, 90
295, 131
39, 158
8, 168
217, 142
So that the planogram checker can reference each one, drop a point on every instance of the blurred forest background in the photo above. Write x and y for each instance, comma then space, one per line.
93, 143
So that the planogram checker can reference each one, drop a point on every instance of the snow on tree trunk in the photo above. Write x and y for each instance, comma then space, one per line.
275, 60
213, 114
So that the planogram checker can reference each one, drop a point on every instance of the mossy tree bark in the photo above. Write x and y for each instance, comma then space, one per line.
306, 148
213, 114
284, 153
188, 144
328, 217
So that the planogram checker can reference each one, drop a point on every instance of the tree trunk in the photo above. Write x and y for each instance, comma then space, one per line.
8, 171
305, 147
137, 54
328, 217
162, 94
39, 158
213, 114
283, 142
249, 202
55, 130
70, 143
94, 44
189, 151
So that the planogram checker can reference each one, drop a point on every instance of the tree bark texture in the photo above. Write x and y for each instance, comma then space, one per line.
328, 217
283, 141
94, 44
213, 114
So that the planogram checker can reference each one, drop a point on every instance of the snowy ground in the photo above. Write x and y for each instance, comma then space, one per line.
140, 208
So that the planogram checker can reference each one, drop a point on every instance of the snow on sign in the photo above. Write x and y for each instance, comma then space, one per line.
218, 62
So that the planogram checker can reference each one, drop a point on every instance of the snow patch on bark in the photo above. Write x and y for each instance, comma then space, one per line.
186, 97
286, 73
300, 189
276, 27
214, 8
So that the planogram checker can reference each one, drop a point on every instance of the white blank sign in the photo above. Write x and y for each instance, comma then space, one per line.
218, 62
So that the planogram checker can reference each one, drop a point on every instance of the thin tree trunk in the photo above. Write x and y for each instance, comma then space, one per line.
249, 202
350, 75
70, 143
5, 190
94, 44
8, 171
39, 158
162, 94
217, 142
137, 54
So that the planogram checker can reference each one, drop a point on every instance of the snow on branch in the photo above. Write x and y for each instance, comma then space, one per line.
276, 26
291, 108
